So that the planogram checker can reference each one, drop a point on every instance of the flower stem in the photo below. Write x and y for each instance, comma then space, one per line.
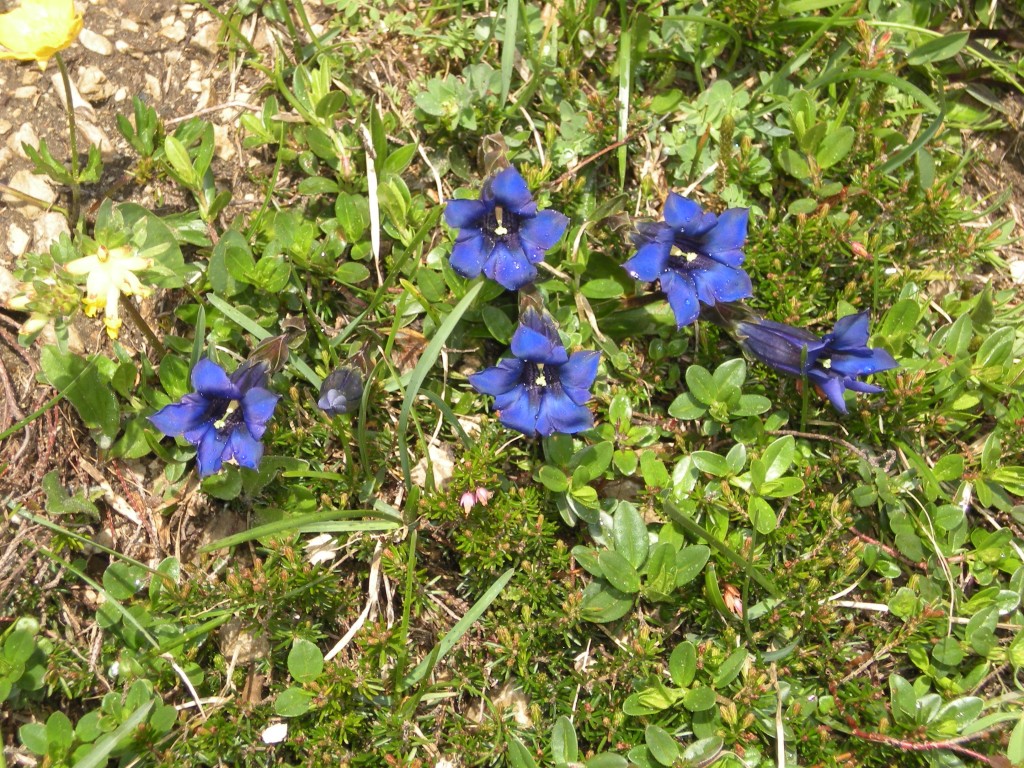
72, 141
130, 309
26, 198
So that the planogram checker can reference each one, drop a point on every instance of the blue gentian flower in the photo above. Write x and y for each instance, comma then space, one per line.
832, 363
502, 234
697, 256
225, 417
341, 391
541, 389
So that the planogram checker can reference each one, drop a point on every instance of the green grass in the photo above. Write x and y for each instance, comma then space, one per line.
627, 595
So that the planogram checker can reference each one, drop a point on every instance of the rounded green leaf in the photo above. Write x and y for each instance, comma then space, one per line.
619, 571
699, 699
664, 748
305, 661
292, 702
682, 664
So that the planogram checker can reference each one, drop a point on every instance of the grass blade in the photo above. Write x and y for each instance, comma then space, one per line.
461, 627
508, 47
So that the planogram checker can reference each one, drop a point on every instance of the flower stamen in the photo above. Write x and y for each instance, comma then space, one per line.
499, 230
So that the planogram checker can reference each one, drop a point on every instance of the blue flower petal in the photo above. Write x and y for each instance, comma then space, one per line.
468, 256
257, 407
830, 386
507, 399
210, 380
502, 378
871, 361
577, 376
721, 283
195, 436
512, 194
649, 262
509, 268
244, 448
863, 386
466, 213
558, 413
724, 242
850, 332
541, 233
536, 339
210, 455
519, 414
778, 345
682, 212
682, 297
177, 418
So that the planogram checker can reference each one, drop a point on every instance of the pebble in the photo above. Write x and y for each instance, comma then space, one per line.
5, 127
26, 134
18, 240
175, 32
121, 94
153, 87
26, 92
1017, 271
94, 85
129, 25
206, 36
95, 42
36, 186
47, 228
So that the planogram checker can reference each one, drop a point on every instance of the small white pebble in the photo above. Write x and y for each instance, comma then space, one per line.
275, 734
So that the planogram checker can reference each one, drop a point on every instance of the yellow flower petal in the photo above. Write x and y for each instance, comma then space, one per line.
37, 29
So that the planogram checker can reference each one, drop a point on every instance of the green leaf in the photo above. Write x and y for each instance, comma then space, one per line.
711, 463
700, 383
588, 560
653, 470
939, 49
1014, 750
85, 388
629, 533
59, 733
180, 162
292, 702
553, 479
729, 375
305, 661
682, 664
619, 571
564, 746
904, 699
664, 748
778, 457
100, 753
835, 146
602, 288
602, 604
607, 760
761, 514
699, 699
687, 407
122, 580
33, 737
730, 668
691, 561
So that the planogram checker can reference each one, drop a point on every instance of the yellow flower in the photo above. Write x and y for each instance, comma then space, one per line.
109, 274
37, 29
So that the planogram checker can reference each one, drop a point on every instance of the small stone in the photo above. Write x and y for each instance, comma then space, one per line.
18, 240
6, 153
1017, 271
129, 25
5, 127
153, 87
175, 32
27, 92
121, 94
26, 134
95, 42
206, 37
94, 85
35, 186
47, 229
121, 46
9, 285
222, 144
